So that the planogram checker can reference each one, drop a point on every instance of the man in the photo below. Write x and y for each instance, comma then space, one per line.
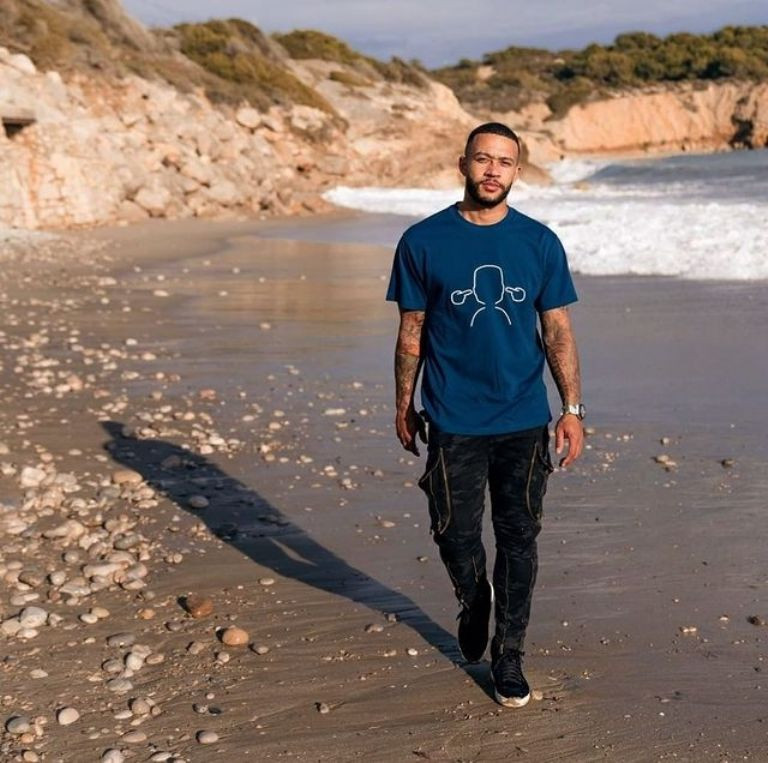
471, 282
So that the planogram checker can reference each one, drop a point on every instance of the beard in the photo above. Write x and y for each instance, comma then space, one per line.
473, 190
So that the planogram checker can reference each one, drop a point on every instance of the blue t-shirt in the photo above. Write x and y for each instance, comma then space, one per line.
482, 288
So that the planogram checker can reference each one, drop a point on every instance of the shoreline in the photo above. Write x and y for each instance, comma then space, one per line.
254, 371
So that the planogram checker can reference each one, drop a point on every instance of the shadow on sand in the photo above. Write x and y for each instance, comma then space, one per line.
269, 537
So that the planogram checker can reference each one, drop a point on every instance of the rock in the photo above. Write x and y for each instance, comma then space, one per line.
121, 639
134, 737
207, 737
411, 652
10, 627
261, 649
248, 117
31, 477
32, 617
756, 620
18, 724
140, 706
234, 636
67, 715
119, 685
266, 581
154, 200
198, 606
198, 502
112, 756
322, 708
127, 477
224, 192
22, 63
374, 628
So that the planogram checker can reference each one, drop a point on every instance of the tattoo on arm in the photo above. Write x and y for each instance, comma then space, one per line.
407, 357
561, 352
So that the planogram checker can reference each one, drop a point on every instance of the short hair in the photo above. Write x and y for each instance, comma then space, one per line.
495, 128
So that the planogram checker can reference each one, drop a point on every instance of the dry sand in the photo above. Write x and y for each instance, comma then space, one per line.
234, 362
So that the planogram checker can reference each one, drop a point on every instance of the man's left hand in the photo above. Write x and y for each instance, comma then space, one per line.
570, 428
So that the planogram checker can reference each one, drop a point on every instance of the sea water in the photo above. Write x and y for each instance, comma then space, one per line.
699, 216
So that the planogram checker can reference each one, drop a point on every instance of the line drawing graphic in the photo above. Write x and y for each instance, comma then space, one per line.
488, 289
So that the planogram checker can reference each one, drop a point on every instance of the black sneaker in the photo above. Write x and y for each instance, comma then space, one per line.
473, 623
510, 687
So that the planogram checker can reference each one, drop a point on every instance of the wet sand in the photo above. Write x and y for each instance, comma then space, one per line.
640, 644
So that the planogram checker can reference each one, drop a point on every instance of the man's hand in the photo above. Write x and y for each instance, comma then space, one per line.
408, 426
569, 427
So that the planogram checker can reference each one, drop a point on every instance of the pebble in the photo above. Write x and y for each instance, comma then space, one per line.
234, 636
207, 737
322, 708
67, 715
134, 737
112, 756
196, 647
121, 639
18, 724
119, 685
266, 581
198, 606
32, 617
537, 695
261, 649
412, 652
756, 620
374, 628
198, 502
140, 706
127, 477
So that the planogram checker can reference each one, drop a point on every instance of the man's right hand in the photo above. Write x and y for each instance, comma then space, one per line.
408, 425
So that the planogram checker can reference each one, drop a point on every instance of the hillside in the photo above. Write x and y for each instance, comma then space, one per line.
515, 77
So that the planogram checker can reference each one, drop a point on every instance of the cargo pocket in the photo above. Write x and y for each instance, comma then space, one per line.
539, 469
435, 484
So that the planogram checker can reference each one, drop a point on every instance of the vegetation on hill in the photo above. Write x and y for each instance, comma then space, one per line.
249, 68
308, 43
511, 78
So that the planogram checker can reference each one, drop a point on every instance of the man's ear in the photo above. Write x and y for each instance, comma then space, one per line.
463, 165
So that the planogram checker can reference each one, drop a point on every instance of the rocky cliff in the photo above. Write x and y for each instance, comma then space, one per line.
682, 118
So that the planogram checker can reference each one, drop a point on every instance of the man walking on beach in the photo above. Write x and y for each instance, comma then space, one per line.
471, 282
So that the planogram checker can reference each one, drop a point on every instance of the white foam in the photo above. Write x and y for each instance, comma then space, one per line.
611, 232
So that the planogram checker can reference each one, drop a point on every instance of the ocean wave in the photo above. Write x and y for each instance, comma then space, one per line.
616, 231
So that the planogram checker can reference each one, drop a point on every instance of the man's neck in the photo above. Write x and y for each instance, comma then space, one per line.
474, 213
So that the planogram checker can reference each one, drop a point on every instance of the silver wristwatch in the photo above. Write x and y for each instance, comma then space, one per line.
577, 409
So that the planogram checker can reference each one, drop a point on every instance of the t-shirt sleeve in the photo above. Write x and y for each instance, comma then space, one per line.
557, 289
406, 284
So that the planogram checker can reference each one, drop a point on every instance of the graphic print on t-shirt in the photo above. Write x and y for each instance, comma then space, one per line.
488, 289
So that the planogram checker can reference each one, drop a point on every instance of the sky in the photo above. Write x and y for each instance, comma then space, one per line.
440, 32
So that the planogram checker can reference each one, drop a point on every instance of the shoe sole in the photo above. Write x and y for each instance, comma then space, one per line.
511, 701
479, 659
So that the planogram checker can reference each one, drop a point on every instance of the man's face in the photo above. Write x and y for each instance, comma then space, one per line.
489, 168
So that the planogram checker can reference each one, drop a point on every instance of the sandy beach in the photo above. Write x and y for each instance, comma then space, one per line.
249, 364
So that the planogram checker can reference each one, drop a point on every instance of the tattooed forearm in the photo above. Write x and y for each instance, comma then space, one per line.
407, 357
561, 352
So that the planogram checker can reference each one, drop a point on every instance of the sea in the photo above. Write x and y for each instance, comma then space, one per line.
691, 216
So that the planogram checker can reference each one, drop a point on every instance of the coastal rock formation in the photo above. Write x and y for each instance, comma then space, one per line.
683, 118
103, 150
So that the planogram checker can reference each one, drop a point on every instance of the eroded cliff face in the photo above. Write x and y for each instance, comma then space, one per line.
682, 118
105, 150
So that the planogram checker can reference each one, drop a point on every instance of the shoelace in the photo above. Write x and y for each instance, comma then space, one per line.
510, 668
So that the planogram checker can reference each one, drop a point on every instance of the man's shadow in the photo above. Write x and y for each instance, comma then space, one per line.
267, 536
